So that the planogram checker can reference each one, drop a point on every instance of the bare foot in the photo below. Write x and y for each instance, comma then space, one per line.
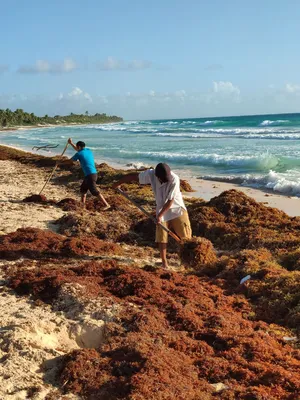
106, 208
165, 265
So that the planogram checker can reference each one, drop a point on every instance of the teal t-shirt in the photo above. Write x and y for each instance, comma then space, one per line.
86, 158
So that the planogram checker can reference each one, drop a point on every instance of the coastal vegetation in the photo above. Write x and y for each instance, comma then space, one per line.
19, 117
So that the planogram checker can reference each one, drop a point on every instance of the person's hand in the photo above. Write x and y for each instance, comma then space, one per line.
70, 141
159, 218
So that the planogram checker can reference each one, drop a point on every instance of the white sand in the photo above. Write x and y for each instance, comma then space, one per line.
33, 338
18, 181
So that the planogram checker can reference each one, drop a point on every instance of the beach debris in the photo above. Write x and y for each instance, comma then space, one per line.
290, 338
46, 147
245, 279
197, 252
219, 387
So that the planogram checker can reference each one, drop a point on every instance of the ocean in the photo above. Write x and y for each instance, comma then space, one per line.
261, 151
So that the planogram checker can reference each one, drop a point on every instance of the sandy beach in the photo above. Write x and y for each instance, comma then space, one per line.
81, 294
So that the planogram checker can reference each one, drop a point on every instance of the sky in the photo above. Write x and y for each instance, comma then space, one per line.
150, 59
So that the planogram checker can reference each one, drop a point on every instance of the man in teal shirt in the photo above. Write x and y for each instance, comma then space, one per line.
86, 159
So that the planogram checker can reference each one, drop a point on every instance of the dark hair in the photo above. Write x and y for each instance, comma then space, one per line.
163, 172
80, 144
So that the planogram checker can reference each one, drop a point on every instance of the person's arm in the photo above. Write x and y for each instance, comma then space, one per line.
134, 177
71, 160
165, 208
72, 144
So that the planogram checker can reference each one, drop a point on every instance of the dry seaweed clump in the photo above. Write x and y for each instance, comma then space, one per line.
185, 186
176, 337
35, 198
197, 253
36, 243
69, 204
273, 291
106, 226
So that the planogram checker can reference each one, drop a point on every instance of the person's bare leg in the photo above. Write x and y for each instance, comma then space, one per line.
163, 254
106, 205
83, 199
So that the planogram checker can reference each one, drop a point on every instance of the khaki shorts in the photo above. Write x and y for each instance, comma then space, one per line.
181, 226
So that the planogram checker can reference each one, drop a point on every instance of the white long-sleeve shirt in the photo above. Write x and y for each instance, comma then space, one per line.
164, 192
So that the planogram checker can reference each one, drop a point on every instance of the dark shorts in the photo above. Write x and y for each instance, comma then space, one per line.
90, 183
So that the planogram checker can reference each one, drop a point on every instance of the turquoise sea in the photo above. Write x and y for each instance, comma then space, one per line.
261, 151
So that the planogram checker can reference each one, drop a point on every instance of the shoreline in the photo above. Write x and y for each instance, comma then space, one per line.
207, 189
38, 126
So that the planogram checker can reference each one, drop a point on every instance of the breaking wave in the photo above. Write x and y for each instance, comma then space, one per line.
287, 183
268, 122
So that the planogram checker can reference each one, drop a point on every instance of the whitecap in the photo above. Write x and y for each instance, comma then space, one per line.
268, 122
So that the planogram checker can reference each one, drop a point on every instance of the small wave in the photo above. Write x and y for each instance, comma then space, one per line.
169, 123
287, 183
108, 128
143, 130
214, 122
274, 136
137, 165
268, 122
191, 135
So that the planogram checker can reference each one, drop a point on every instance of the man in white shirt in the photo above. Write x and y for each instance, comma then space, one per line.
170, 208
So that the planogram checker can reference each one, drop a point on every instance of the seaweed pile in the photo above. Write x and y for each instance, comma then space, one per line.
36, 243
181, 337
234, 221
196, 334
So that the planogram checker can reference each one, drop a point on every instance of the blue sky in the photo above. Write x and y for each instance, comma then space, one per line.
158, 59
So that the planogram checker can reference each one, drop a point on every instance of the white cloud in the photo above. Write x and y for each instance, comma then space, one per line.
289, 88
43, 66
226, 88
113, 64
68, 65
223, 91
76, 94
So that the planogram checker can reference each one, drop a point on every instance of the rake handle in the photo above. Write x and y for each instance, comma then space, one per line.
54, 169
173, 235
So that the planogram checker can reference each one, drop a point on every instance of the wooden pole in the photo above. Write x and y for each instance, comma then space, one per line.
56, 165
150, 216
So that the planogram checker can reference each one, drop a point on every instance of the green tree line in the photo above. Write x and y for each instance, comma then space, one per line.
20, 117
